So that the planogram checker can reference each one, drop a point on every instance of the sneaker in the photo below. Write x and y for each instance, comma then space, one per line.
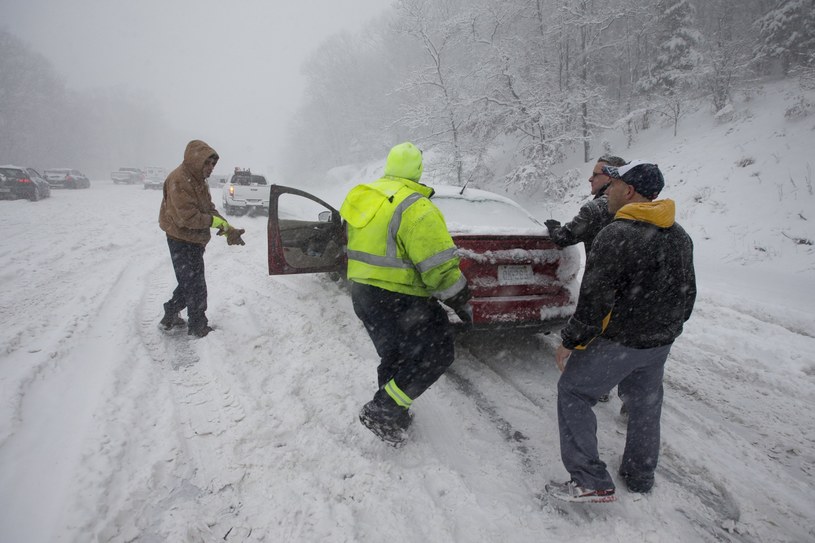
603, 398
388, 424
571, 492
199, 332
172, 320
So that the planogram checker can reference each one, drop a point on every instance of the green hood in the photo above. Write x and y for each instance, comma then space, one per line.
363, 201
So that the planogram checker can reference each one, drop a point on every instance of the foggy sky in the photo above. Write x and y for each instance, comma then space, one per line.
225, 71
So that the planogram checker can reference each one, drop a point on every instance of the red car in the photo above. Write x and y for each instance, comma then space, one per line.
517, 276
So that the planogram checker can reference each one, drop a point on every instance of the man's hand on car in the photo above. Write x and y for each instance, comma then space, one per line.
465, 313
552, 224
461, 306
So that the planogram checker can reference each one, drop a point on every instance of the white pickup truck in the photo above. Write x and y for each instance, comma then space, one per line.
246, 193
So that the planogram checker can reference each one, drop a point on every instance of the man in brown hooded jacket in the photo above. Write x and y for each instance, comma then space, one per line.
186, 215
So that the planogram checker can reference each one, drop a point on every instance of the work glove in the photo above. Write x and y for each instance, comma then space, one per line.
552, 224
233, 236
460, 304
465, 313
220, 224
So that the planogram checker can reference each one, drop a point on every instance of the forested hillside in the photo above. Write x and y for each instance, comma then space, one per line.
541, 78
44, 123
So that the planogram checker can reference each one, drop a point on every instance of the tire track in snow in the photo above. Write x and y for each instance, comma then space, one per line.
205, 485
710, 508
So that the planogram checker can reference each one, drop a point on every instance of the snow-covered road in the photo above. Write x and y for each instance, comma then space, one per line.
112, 430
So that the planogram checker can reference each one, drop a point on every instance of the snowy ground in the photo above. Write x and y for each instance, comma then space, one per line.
111, 430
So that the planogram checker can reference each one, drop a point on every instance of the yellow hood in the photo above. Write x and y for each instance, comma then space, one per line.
661, 213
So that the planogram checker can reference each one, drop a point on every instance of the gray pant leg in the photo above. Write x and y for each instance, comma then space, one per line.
643, 394
590, 373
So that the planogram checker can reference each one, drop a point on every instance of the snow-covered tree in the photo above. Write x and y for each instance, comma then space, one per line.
727, 47
439, 82
787, 33
676, 70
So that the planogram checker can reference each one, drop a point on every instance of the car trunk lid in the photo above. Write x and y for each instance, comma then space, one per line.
515, 279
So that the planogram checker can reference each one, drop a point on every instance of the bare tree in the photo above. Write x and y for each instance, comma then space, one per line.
439, 28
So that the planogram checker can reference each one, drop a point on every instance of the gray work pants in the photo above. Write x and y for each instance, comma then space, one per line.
595, 371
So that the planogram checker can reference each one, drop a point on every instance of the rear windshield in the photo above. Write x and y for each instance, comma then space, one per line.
485, 216
248, 180
12, 173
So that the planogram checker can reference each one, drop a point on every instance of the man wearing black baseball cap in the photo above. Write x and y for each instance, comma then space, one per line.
638, 290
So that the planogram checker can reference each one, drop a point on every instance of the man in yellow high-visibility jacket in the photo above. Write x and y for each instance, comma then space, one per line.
401, 262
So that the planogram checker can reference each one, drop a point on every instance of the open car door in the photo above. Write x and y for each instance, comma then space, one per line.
304, 234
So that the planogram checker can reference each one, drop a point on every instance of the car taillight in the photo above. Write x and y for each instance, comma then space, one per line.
69, 178
24, 180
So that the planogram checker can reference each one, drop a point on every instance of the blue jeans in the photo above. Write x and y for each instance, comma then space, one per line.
595, 371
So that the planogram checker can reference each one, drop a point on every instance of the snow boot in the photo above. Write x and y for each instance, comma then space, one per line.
199, 331
388, 421
172, 320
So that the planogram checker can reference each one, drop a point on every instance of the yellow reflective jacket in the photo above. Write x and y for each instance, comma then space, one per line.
398, 240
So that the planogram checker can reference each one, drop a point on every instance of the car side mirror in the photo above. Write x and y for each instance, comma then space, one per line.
325, 216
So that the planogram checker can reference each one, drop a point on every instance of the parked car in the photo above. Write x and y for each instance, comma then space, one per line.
18, 182
154, 178
128, 176
66, 178
518, 277
246, 193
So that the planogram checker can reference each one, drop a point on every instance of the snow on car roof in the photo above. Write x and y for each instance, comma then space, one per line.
482, 212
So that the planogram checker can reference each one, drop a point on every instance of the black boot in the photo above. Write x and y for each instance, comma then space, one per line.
199, 331
388, 421
198, 325
172, 320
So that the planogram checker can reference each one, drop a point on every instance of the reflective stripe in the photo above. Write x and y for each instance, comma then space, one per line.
397, 395
396, 222
390, 260
438, 258
449, 292
382, 261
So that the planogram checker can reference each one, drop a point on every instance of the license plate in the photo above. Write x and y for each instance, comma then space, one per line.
514, 275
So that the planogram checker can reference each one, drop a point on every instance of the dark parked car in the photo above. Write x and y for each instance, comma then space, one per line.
17, 182
66, 178
518, 277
